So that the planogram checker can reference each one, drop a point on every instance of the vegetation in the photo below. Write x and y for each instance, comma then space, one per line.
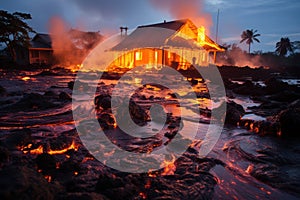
235, 56
14, 32
249, 36
284, 46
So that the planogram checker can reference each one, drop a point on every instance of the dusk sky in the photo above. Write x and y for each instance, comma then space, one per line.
272, 18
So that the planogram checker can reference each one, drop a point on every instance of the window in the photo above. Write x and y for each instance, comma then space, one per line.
138, 55
156, 56
169, 54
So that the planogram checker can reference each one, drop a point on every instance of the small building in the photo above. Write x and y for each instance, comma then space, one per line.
173, 43
42, 49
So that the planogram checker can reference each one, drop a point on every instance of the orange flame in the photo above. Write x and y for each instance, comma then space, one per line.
170, 167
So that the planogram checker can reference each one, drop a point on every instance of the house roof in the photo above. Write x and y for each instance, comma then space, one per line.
41, 40
153, 36
173, 25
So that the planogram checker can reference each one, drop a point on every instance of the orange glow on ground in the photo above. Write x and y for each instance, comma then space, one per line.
40, 150
48, 178
170, 167
26, 78
72, 146
27, 149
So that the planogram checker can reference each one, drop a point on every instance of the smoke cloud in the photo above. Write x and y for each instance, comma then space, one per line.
181, 9
70, 46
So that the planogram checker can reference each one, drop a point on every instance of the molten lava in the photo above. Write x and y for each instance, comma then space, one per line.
40, 149
169, 167
72, 146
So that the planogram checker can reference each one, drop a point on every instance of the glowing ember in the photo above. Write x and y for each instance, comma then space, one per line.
249, 169
48, 178
152, 174
170, 167
148, 184
86, 159
143, 195
26, 78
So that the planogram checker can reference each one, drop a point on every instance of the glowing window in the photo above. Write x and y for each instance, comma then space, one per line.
156, 56
169, 54
138, 55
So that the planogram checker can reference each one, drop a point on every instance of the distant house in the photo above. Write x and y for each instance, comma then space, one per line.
151, 45
42, 48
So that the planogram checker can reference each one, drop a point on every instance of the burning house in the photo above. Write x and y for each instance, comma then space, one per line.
169, 43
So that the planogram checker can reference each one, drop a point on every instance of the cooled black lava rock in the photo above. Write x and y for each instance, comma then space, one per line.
289, 120
18, 138
103, 101
4, 155
46, 163
2, 91
106, 120
137, 113
50, 94
285, 96
20, 182
80, 85
65, 96
274, 85
234, 112
268, 127
33, 101
61, 142
107, 181
248, 88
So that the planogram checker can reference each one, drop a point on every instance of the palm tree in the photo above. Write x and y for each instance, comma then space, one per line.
249, 36
284, 46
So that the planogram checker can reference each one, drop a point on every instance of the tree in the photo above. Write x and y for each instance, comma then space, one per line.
249, 36
14, 31
284, 46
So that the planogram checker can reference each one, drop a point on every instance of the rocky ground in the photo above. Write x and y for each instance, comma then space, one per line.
38, 162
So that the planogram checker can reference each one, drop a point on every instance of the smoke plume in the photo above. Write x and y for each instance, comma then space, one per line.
70, 46
181, 9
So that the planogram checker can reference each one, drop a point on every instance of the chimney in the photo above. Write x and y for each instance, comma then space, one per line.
165, 21
125, 29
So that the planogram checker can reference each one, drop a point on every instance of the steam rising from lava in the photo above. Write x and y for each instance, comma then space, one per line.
61, 43
71, 46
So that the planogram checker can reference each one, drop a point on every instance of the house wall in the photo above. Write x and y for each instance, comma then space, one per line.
40, 56
151, 57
